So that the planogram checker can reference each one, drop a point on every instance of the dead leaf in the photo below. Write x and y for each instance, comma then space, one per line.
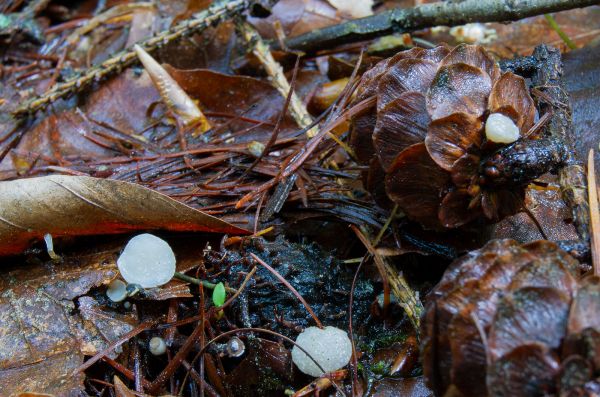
296, 17
43, 339
77, 205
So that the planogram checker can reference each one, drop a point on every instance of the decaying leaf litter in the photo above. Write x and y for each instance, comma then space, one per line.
227, 128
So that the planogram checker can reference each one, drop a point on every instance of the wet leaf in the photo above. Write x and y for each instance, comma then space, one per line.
44, 338
68, 205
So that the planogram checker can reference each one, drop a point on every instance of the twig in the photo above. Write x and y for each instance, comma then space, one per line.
261, 50
426, 16
98, 20
177, 359
571, 175
351, 329
594, 214
215, 14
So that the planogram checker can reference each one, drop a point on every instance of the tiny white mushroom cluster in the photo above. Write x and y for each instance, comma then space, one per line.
329, 346
147, 260
501, 129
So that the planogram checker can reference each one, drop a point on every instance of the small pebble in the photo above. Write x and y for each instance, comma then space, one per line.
157, 346
147, 260
116, 291
329, 346
501, 129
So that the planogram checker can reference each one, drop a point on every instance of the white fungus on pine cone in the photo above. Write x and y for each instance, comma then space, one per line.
147, 260
329, 346
501, 129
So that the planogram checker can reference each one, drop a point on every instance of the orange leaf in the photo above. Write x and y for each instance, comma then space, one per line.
80, 205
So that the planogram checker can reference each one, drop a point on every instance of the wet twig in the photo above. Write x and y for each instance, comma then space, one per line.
215, 14
426, 16
571, 175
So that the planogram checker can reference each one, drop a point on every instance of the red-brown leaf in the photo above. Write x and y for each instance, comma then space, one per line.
77, 205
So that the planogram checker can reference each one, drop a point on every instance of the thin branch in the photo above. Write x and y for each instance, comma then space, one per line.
399, 286
571, 175
219, 11
426, 16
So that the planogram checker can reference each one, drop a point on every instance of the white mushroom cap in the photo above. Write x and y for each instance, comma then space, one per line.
501, 129
329, 346
147, 260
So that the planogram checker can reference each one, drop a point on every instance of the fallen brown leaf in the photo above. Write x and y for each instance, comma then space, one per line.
43, 339
79, 205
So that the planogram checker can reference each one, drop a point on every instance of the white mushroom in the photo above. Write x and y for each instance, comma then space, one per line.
147, 260
501, 129
329, 346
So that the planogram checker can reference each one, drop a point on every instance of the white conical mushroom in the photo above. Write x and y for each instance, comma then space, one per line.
147, 260
329, 346
501, 129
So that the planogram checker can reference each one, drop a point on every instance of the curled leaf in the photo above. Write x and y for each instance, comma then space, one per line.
80, 205
176, 99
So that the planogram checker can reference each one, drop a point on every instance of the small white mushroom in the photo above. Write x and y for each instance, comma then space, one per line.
329, 346
50, 247
147, 260
501, 129
157, 346
116, 291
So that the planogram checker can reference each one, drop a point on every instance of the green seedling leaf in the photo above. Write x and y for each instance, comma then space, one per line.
219, 295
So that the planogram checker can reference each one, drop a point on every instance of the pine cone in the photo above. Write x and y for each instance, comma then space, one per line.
513, 320
441, 116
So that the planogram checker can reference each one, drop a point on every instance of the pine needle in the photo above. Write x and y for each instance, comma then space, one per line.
554, 25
